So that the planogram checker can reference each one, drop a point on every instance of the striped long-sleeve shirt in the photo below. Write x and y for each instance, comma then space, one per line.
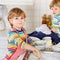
15, 38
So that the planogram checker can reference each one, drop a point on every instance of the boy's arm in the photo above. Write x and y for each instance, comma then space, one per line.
54, 29
55, 25
17, 41
33, 49
30, 41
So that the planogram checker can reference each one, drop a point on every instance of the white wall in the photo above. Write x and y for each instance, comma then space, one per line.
33, 11
21, 2
41, 7
29, 10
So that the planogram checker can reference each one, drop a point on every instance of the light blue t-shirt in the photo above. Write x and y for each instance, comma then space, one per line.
56, 21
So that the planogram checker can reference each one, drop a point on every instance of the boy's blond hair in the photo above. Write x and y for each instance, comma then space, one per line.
16, 12
55, 2
47, 19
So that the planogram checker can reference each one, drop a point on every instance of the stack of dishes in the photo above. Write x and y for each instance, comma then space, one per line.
40, 44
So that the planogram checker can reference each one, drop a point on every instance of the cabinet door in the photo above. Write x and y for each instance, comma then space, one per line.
20, 2
2, 13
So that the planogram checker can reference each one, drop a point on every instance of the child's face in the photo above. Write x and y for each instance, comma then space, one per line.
55, 10
18, 22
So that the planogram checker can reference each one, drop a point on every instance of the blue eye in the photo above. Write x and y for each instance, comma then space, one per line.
55, 8
16, 18
22, 18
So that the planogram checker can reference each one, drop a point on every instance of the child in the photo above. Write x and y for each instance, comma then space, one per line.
45, 30
18, 41
55, 7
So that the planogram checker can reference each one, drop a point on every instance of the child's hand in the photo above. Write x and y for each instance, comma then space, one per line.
33, 49
54, 29
37, 53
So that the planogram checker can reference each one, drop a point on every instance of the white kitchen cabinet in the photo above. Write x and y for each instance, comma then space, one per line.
20, 2
2, 14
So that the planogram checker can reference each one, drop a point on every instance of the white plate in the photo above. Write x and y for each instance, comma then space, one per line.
40, 42
35, 38
40, 47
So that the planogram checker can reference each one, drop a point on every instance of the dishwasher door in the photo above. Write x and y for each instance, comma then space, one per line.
46, 56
